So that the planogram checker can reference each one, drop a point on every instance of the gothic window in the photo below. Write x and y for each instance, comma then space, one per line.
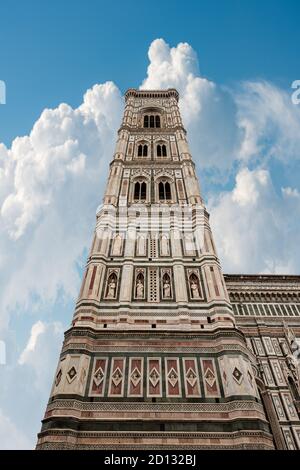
164, 191
111, 287
140, 191
152, 121
161, 150
194, 286
142, 150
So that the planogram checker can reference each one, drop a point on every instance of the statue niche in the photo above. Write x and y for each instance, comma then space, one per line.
139, 288
111, 289
166, 286
194, 286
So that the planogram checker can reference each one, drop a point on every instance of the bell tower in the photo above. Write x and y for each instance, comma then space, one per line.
153, 359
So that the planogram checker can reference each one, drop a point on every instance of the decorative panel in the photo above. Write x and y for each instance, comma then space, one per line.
268, 346
289, 438
191, 377
172, 377
135, 377
277, 372
289, 406
154, 377
210, 378
98, 379
117, 377
278, 406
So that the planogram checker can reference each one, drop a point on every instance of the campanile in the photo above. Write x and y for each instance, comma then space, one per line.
153, 358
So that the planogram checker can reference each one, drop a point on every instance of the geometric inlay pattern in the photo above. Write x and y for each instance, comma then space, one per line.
173, 377
154, 376
71, 374
135, 377
98, 376
210, 377
237, 375
58, 377
191, 377
117, 377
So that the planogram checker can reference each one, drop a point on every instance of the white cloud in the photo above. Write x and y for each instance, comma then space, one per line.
37, 329
254, 227
270, 120
52, 182
10, 436
41, 350
208, 111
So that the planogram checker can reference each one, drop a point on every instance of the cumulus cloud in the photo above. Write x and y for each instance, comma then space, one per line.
270, 121
209, 111
52, 182
254, 226
40, 351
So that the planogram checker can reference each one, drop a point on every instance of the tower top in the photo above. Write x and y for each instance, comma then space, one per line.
170, 92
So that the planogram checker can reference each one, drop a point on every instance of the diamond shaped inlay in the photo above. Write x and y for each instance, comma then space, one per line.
237, 375
191, 377
209, 377
117, 377
172, 377
154, 376
71, 374
135, 376
58, 377
99, 376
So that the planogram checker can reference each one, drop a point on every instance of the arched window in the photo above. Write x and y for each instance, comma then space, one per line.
143, 190
161, 191
142, 150
152, 120
140, 191
164, 191
161, 150
137, 190
168, 190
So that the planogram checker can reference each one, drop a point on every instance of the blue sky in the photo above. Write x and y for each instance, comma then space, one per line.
233, 63
52, 52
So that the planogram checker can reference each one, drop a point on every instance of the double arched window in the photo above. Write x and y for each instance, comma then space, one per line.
152, 120
140, 191
161, 150
142, 150
164, 191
